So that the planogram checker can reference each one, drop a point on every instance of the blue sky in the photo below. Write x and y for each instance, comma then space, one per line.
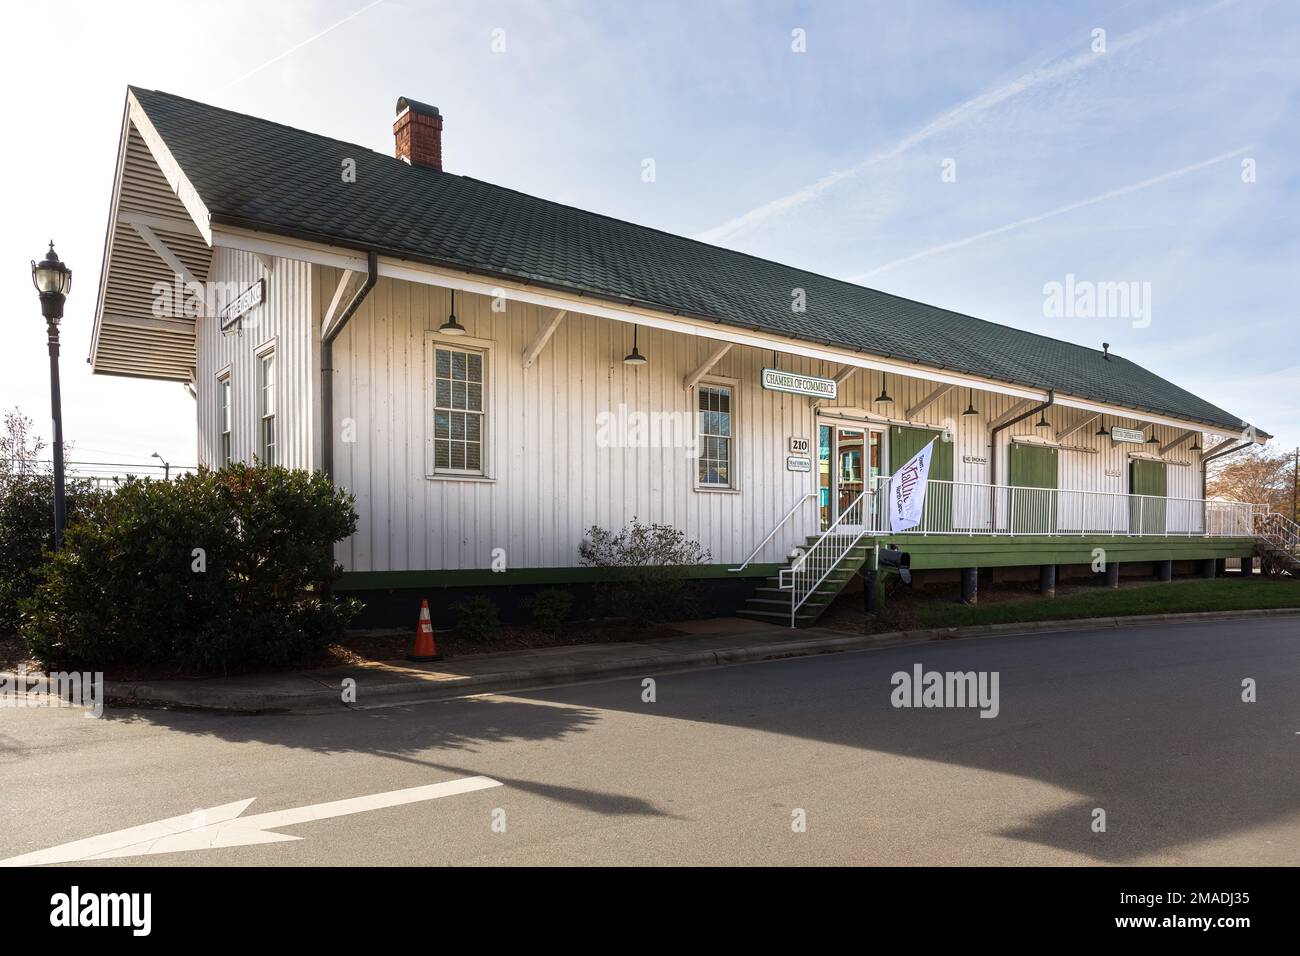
1123, 165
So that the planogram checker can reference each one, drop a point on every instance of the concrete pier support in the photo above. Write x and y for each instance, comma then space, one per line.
1047, 580
871, 592
970, 585
1164, 570
1112, 574
1248, 567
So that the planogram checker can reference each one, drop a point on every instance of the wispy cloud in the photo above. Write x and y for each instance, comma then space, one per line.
298, 46
1058, 211
963, 113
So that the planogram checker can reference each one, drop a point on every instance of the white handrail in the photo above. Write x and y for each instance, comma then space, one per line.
968, 508
772, 533
823, 556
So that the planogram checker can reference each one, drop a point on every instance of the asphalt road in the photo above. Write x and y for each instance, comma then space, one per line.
1146, 724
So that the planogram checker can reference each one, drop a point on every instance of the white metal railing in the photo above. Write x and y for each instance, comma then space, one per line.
1279, 531
957, 507
969, 508
812, 567
771, 534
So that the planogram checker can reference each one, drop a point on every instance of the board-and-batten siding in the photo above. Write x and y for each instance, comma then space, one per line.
552, 478
283, 318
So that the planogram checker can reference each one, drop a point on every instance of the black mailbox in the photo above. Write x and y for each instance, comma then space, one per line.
891, 559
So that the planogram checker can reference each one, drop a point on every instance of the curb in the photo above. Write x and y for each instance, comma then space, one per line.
327, 698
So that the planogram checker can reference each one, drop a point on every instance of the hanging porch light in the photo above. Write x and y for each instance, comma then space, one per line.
634, 357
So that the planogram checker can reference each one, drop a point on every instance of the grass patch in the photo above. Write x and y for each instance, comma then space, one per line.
1175, 597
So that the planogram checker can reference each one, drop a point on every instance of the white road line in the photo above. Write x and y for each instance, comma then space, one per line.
223, 826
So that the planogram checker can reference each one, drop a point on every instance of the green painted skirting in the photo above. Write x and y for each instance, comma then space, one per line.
988, 551
384, 580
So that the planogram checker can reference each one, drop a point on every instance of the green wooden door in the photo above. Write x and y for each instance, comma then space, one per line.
1149, 479
1033, 466
904, 442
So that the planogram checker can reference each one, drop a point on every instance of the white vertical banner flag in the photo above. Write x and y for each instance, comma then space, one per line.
907, 490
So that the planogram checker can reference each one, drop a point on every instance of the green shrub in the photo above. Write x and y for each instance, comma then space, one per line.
212, 571
27, 530
649, 571
476, 618
550, 609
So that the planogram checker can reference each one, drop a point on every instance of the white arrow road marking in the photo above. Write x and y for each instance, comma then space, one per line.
223, 826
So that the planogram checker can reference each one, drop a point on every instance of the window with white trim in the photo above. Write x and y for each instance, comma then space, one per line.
266, 380
459, 410
715, 404
224, 420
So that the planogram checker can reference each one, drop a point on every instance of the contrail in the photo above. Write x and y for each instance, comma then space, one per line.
954, 117
299, 46
1059, 211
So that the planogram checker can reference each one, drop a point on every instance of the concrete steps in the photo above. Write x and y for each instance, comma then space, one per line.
771, 604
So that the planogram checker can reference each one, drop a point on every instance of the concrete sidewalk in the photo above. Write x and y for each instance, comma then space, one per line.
386, 683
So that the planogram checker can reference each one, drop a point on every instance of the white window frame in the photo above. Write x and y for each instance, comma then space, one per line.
225, 418
733, 440
432, 342
265, 351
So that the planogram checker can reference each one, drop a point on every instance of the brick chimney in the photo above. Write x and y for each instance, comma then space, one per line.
418, 132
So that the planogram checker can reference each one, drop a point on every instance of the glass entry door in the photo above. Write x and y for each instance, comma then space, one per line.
848, 463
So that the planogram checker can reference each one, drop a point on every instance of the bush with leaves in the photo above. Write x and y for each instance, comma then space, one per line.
476, 618
27, 532
212, 571
648, 569
27, 511
550, 609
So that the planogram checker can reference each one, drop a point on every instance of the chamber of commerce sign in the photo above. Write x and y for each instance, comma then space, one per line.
775, 380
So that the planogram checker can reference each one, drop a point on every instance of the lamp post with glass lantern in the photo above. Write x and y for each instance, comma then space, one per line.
53, 280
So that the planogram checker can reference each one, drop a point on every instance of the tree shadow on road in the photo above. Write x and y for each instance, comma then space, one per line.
463, 726
1149, 727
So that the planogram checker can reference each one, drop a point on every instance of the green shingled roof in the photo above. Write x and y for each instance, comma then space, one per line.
254, 173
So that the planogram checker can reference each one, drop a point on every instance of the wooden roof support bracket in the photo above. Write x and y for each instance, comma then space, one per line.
1077, 427
842, 376
332, 312
929, 400
170, 258
1182, 439
544, 336
1010, 413
690, 381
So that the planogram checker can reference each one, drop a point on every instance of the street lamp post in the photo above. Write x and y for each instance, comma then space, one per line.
167, 467
53, 280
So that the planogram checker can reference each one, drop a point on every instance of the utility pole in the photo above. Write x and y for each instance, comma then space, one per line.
1295, 484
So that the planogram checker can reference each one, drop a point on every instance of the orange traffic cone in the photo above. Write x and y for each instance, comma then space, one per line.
424, 649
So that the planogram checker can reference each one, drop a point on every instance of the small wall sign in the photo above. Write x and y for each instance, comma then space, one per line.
775, 380
246, 301
798, 463
974, 459
798, 446
1129, 436
1112, 473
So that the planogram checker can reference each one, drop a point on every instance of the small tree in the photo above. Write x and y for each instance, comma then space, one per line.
1257, 475
649, 571
27, 512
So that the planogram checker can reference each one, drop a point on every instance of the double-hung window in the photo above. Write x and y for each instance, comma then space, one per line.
716, 406
266, 381
224, 420
459, 410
